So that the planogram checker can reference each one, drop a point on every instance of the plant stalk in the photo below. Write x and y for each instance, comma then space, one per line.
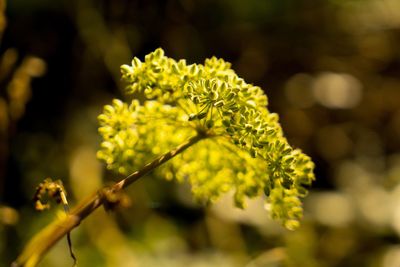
43, 241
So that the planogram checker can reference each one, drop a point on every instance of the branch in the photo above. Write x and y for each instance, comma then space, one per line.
43, 241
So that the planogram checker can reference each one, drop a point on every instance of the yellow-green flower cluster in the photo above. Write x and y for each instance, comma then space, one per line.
244, 150
134, 134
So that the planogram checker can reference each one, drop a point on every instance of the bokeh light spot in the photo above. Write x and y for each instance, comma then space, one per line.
337, 90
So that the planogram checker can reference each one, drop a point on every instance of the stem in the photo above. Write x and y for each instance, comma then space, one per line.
43, 241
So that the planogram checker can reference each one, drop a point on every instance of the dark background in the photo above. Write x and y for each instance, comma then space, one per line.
331, 70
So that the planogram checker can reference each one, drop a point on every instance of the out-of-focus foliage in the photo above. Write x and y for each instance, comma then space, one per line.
3, 20
330, 69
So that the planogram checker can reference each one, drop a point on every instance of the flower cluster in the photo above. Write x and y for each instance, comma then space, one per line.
134, 134
244, 150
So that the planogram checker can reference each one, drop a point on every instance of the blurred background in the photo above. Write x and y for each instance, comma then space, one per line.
331, 69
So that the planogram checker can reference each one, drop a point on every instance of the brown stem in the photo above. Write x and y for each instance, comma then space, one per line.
41, 243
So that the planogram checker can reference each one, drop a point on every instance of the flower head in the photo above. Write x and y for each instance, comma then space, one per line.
245, 152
